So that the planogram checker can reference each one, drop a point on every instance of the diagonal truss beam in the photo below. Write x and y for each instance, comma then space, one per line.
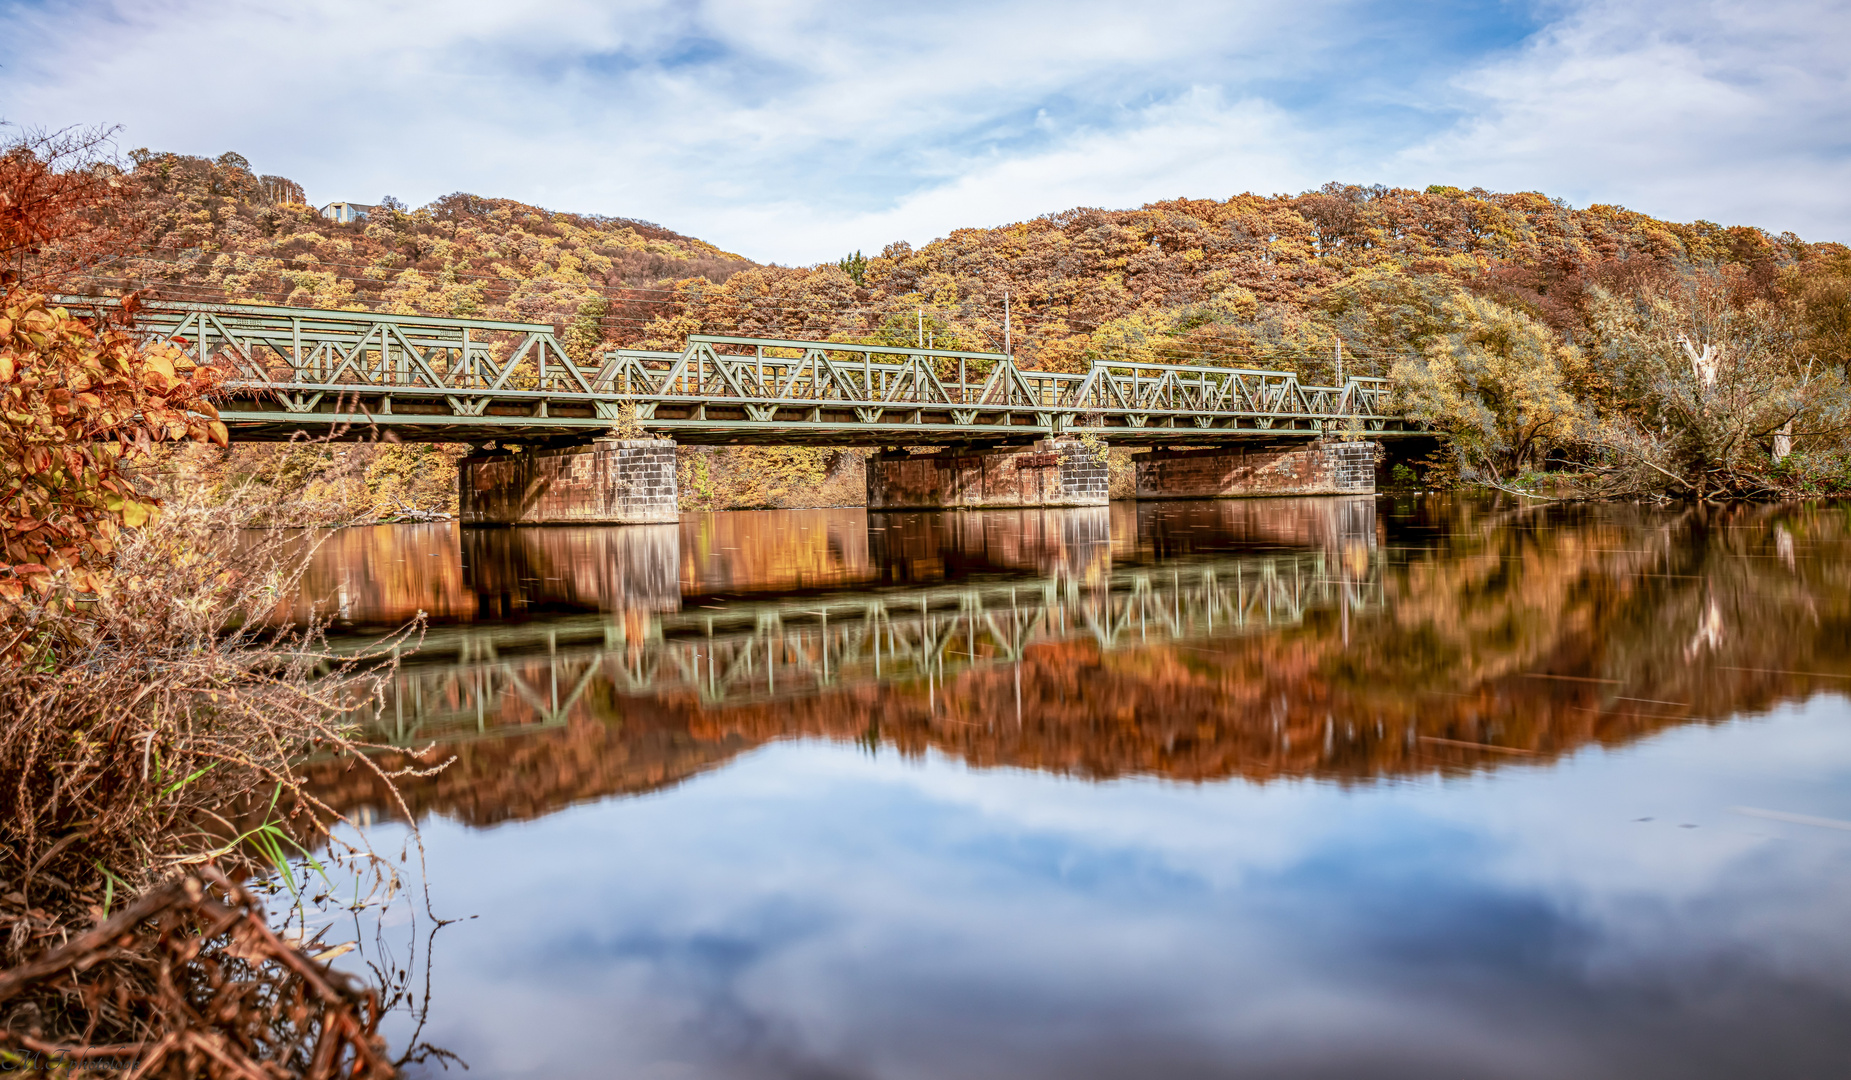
441, 377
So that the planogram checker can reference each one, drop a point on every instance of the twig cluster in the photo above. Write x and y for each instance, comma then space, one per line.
189, 981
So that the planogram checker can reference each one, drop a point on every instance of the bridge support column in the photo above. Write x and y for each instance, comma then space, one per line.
1053, 472
1233, 472
610, 482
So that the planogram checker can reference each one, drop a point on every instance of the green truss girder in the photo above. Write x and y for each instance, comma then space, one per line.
450, 379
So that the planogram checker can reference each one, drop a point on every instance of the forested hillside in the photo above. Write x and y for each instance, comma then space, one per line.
1266, 280
1535, 334
216, 231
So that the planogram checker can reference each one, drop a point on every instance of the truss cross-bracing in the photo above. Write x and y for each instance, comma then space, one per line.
441, 379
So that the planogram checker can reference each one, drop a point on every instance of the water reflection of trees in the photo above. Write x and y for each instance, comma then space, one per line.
1444, 636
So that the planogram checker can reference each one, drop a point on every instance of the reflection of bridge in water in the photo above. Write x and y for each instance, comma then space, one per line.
906, 599
469, 681
1501, 644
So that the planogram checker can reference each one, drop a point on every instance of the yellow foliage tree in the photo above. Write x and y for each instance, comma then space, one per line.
1497, 386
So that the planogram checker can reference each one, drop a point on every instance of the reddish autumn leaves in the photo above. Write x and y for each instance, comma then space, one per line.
80, 400
80, 404
65, 207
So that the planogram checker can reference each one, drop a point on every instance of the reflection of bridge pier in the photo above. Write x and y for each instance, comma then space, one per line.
524, 569
1165, 530
1071, 544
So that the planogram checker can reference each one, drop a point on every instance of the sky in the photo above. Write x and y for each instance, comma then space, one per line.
794, 131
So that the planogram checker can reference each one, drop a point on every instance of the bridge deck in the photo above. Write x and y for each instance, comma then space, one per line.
425, 378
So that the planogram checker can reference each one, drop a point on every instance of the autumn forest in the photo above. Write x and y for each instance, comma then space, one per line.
1552, 344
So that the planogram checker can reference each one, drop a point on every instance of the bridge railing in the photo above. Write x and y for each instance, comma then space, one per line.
819, 372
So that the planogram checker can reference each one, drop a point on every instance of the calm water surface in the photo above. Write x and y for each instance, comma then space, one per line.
1269, 788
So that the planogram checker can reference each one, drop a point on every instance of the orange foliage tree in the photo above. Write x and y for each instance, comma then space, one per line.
64, 207
80, 398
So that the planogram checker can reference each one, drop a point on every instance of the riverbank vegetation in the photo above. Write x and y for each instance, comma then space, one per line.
151, 724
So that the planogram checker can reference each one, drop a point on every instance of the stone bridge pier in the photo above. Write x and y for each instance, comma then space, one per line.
1318, 467
632, 481
610, 482
1052, 472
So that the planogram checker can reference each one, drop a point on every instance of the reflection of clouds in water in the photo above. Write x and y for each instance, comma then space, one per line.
812, 912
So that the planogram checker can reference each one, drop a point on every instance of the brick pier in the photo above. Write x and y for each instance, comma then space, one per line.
1314, 468
1050, 473
610, 482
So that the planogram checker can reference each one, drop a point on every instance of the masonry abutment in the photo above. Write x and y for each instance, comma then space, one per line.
1052, 472
1318, 467
609, 482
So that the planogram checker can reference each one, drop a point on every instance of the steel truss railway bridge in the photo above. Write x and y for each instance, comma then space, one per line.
360, 374
465, 682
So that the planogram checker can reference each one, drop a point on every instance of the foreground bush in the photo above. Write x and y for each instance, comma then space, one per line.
80, 402
135, 728
143, 707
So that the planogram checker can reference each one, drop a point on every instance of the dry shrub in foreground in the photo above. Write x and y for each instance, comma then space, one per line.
193, 965
133, 724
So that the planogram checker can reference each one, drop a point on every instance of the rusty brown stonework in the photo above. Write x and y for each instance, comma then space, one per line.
610, 482
1314, 468
1051, 473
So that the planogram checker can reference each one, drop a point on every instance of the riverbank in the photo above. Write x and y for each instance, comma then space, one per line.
153, 759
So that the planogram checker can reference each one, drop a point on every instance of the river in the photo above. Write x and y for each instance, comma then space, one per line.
1340, 787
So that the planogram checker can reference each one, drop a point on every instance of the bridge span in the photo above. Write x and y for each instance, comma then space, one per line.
461, 380
1008, 435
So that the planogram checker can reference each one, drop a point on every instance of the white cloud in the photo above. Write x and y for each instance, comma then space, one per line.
1199, 146
792, 131
1729, 112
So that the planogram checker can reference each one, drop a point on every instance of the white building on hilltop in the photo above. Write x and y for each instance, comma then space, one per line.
345, 212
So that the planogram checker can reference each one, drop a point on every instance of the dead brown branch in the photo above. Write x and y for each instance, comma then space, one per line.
189, 981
